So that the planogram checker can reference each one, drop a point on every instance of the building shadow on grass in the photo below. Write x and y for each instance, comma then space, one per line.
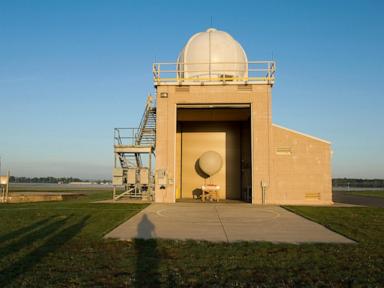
147, 255
46, 229
54, 240
14, 234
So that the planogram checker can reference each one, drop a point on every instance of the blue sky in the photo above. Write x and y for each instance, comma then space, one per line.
71, 71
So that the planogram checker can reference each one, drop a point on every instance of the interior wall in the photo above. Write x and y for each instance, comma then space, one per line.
193, 139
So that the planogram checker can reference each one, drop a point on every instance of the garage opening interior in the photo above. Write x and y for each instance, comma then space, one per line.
225, 129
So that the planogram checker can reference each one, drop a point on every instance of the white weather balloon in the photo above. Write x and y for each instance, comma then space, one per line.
210, 162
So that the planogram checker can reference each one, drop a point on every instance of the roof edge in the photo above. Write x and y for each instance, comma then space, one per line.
303, 134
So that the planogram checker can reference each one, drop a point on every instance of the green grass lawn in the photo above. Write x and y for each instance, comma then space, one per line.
60, 244
378, 193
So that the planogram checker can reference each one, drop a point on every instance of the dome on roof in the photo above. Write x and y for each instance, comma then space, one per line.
212, 53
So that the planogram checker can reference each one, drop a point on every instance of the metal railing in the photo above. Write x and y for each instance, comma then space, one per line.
187, 73
145, 134
125, 136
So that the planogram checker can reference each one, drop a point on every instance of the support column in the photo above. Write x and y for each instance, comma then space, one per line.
165, 146
261, 142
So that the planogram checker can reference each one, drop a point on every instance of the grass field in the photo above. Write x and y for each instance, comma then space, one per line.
60, 244
375, 193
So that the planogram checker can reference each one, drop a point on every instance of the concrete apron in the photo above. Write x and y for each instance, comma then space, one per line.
223, 223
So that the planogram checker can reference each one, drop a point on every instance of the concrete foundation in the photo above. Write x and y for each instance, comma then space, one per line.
224, 223
40, 197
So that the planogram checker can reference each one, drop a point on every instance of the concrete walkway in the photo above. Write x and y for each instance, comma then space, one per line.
223, 223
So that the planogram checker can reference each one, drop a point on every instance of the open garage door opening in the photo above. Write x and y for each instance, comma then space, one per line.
224, 130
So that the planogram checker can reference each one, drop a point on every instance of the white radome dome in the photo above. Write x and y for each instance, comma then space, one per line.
212, 54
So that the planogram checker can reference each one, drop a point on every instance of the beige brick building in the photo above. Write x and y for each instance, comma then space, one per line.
214, 99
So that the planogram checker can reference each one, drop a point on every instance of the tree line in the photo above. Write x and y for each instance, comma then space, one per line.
355, 182
53, 180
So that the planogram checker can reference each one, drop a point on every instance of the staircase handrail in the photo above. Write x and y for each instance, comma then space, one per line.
144, 119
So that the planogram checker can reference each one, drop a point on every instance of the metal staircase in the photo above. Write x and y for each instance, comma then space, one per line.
133, 149
146, 133
147, 130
